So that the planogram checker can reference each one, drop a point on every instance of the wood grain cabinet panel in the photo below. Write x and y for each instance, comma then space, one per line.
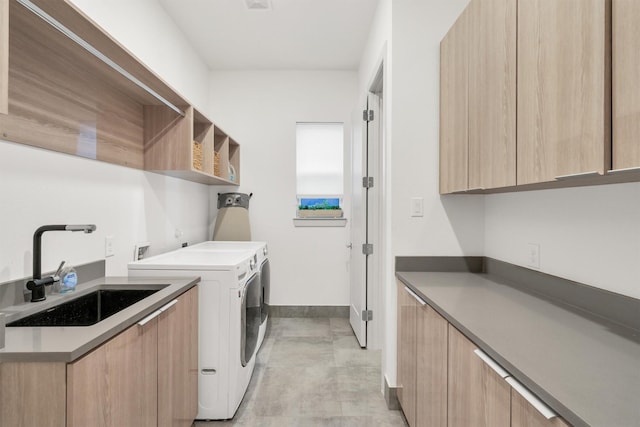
477, 395
492, 93
178, 363
523, 414
431, 365
4, 56
32, 394
564, 97
407, 342
116, 385
626, 75
454, 130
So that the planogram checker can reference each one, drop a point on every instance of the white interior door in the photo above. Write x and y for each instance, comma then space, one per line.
360, 266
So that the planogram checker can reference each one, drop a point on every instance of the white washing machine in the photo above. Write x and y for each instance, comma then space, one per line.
229, 321
264, 270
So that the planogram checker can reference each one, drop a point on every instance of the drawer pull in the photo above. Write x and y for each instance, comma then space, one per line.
168, 306
540, 406
413, 294
149, 318
578, 175
491, 363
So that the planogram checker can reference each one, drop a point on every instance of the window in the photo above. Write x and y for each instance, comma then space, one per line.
319, 165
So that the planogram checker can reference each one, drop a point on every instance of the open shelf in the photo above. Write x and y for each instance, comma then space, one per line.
61, 97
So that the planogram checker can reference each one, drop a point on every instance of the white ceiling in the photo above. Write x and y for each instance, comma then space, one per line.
295, 34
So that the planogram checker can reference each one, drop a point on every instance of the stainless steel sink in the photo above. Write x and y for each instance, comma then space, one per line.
87, 309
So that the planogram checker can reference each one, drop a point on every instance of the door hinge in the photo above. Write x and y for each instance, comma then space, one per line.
367, 182
367, 315
367, 115
367, 248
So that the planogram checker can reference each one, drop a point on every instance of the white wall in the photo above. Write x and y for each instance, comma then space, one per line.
450, 225
589, 234
260, 109
41, 187
149, 33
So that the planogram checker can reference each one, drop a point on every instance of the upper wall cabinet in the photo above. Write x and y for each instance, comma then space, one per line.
67, 86
478, 98
454, 133
492, 93
564, 95
626, 75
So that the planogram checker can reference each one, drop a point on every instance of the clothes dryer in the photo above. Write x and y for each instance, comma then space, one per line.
260, 249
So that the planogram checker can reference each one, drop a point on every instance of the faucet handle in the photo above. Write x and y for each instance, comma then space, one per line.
56, 275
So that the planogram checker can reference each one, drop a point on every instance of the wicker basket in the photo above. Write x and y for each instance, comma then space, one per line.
216, 163
197, 156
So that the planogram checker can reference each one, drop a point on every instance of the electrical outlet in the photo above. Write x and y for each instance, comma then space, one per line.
108, 247
417, 206
533, 255
140, 250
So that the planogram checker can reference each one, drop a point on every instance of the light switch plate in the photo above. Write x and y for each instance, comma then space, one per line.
417, 206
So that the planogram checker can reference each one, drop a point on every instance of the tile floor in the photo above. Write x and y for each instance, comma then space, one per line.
312, 372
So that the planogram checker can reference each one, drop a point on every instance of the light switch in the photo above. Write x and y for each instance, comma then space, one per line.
417, 206
533, 255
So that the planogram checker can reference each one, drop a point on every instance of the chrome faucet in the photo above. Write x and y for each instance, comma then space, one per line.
37, 283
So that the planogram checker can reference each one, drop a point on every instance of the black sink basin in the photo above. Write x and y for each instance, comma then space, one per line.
86, 310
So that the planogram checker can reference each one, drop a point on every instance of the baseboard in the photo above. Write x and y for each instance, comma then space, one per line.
308, 311
391, 396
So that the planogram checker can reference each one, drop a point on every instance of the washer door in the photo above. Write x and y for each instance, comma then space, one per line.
265, 272
250, 325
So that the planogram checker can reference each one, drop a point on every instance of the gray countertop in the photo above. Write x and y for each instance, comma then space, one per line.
584, 367
65, 344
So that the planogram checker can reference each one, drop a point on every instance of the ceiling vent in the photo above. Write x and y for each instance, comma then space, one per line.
258, 4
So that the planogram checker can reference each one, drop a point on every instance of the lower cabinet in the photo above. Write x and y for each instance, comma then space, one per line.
422, 361
146, 376
477, 395
407, 341
445, 381
523, 414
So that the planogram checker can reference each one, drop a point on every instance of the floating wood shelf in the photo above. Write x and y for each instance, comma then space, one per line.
62, 96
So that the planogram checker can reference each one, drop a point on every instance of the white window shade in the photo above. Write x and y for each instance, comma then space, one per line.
319, 159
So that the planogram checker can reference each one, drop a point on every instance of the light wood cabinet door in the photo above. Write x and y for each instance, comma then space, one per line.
564, 98
407, 311
32, 394
178, 362
115, 385
523, 414
477, 395
492, 93
454, 129
431, 365
626, 74
4, 56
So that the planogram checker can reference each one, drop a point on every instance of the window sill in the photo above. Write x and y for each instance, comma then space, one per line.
319, 222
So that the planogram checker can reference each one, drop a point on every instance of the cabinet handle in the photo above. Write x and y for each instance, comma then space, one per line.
168, 306
622, 171
149, 318
540, 406
413, 294
475, 189
491, 363
578, 175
